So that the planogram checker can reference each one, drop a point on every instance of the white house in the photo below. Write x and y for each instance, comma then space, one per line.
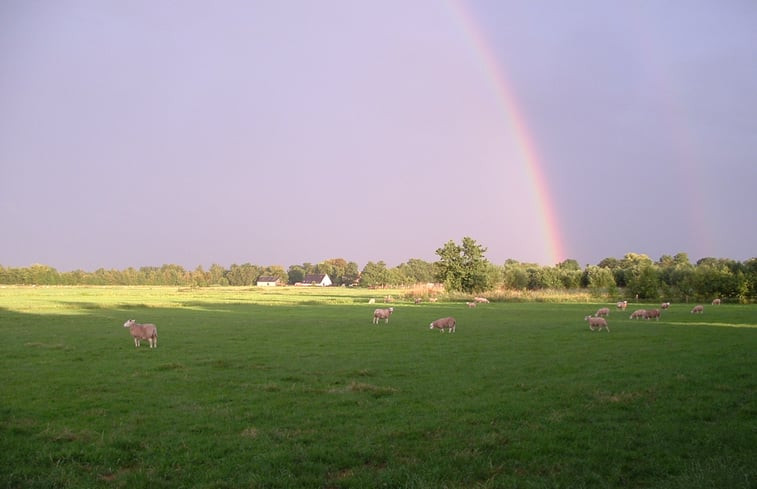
320, 279
268, 281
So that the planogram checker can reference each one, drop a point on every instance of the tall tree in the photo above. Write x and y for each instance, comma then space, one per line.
416, 271
335, 268
351, 273
244, 274
599, 279
374, 275
569, 264
515, 275
217, 274
644, 281
296, 274
463, 268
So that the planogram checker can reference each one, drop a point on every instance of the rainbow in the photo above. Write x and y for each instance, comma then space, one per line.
528, 154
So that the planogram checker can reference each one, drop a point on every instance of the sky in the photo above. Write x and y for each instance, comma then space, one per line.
149, 132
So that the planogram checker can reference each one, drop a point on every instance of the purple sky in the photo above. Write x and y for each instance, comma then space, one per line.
280, 132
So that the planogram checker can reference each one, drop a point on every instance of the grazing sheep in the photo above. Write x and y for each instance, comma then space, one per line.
598, 323
382, 314
665, 305
698, 309
371, 301
653, 313
433, 299
444, 324
142, 332
638, 313
471, 304
602, 312
716, 302
481, 299
622, 305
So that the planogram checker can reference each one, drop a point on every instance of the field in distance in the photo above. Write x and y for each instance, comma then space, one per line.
296, 388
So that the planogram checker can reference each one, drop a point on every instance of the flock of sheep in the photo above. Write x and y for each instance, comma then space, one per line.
447, 324
444, 324
598, 321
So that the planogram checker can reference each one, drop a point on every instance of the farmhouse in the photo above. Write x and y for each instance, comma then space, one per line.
268, 281
320, 279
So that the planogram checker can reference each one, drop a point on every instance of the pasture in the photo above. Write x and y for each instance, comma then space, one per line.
296, 388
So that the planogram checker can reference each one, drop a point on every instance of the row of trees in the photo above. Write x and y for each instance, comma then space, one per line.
340, 271
464, 268
461, 267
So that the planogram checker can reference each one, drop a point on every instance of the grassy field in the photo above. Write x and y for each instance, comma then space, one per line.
295, 388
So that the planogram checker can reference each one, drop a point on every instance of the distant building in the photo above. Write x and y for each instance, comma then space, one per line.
319, 279
268, 281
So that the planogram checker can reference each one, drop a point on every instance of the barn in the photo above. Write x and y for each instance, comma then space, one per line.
319, 279
268, 281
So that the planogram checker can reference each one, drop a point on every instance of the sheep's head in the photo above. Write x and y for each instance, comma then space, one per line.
129, 323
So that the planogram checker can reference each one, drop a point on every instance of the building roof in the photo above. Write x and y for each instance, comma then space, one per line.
313, 277
268, 278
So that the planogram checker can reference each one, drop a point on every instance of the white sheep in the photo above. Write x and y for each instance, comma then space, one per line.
653, 313
622, 305
382, 314
432, 299
418, 300
597, 323
716, 302
698, 309
638, 313
665, 305
604, 311
471, 304
371, 301
142, 332
481, 299
444, 324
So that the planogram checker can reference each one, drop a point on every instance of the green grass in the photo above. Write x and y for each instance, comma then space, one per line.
295, 388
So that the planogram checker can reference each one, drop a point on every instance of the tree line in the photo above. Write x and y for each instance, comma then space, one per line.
462, 267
